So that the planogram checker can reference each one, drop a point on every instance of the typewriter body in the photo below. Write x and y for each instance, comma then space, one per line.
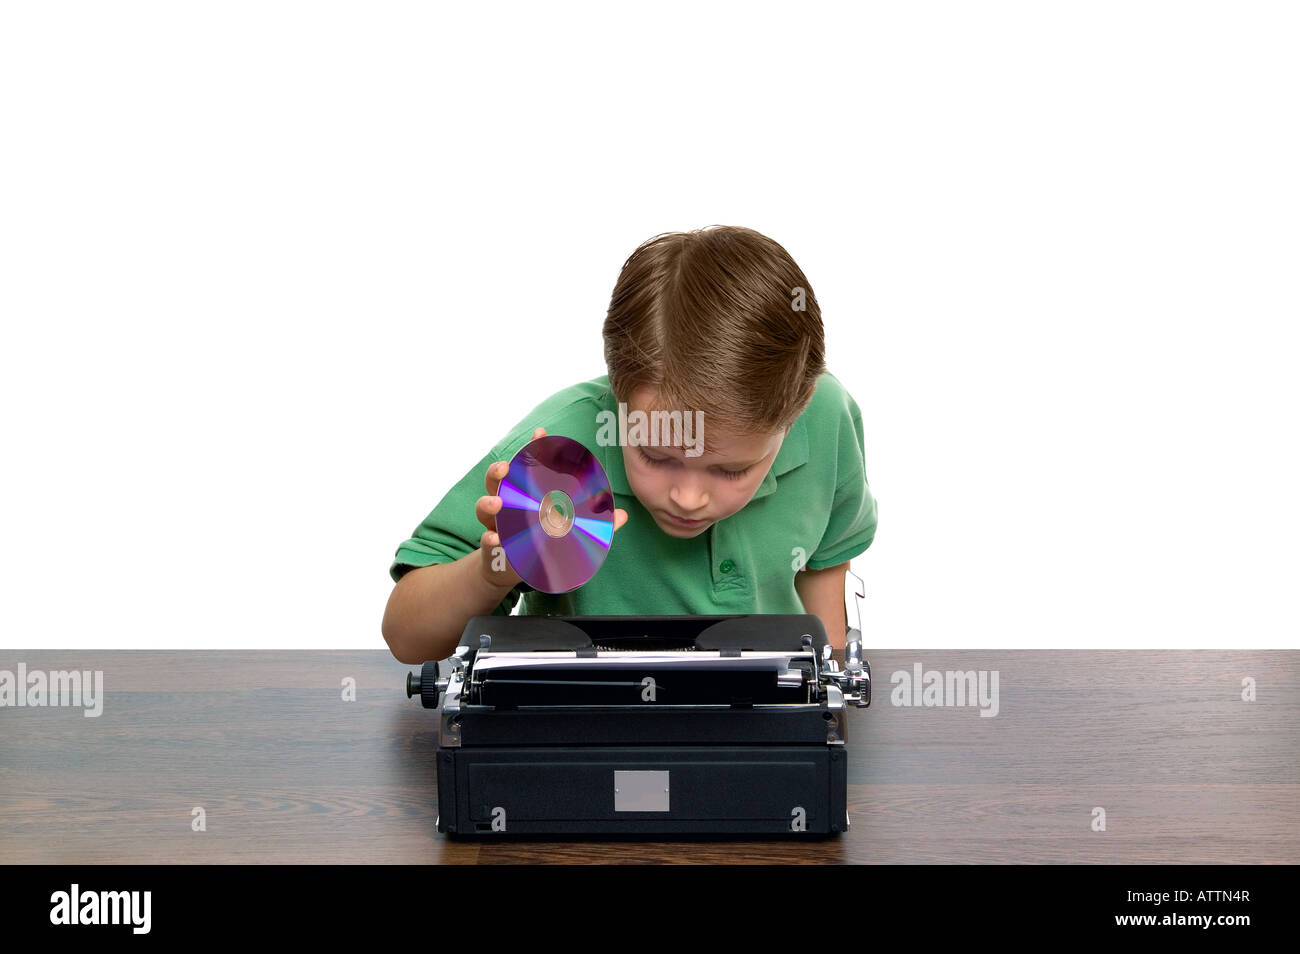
643, 725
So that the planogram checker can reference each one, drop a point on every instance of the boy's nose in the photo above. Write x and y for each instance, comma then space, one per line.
689, 498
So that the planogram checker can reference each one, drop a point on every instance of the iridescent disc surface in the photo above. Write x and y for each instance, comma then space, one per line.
557, 514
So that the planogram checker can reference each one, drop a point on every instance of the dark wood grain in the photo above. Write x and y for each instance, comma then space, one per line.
288, 772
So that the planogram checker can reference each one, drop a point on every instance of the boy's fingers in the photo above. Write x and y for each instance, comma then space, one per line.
495, 472
620, 518
486, 510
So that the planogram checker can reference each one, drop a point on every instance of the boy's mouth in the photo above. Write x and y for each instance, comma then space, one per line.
685, 524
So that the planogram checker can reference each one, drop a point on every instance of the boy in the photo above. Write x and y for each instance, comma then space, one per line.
756, 508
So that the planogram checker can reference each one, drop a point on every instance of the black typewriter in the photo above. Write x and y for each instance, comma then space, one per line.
643, 725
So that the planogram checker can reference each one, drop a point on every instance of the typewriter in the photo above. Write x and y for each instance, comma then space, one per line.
643, 725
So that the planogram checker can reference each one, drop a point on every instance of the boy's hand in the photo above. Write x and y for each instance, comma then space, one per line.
496, 568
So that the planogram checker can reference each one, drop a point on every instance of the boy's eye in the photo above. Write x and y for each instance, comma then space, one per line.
657, 461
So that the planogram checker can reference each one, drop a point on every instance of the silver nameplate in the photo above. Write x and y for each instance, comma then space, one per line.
640, 791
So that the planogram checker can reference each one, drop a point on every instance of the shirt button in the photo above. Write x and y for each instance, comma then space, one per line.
726, 566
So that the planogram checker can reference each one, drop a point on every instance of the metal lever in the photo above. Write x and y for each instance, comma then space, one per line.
854, 591
855, 680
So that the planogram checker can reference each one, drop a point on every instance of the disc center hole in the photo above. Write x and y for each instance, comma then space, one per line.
556, 513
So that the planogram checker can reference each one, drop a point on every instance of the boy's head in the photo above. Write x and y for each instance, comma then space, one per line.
721, 324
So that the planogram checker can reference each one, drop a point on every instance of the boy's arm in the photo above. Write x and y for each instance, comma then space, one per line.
822, 594
427, 611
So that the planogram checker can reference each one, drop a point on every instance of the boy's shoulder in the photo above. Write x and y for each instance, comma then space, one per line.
831, 402
832, 424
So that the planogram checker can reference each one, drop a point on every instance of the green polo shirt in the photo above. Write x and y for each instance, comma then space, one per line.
814, 509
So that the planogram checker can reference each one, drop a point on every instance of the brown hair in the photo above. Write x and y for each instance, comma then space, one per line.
710, 320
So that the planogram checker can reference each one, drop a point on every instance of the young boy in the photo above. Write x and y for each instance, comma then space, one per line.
757, 508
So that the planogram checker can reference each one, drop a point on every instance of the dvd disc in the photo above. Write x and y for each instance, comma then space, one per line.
557, 514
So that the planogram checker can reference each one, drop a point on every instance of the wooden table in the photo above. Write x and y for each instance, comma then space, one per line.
286, 770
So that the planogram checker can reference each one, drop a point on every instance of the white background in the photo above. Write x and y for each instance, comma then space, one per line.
275, 274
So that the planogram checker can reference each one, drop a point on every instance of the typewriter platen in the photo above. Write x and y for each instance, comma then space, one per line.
643, 725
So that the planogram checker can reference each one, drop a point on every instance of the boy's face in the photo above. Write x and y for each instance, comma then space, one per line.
703, 489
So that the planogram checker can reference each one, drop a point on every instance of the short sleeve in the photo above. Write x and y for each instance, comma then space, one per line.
451, 530
851, 526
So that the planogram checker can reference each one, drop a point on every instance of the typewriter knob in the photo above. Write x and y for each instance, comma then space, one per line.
426, 684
